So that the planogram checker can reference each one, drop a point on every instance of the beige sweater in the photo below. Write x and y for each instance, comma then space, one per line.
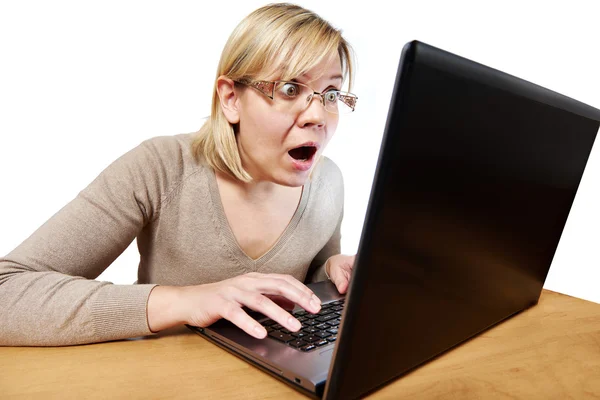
158, 194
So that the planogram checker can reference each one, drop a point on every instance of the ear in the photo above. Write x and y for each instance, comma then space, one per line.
229, 98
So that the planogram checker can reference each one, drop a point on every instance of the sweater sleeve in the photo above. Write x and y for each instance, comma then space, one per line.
48, 294
330, 180
333, 247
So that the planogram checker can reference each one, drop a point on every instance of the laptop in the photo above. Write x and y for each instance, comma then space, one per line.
475, 179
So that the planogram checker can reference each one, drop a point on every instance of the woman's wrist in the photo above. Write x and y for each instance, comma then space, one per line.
165, 308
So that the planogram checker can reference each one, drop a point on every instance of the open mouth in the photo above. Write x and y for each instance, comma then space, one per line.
303, 153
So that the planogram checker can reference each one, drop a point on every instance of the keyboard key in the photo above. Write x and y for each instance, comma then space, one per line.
308, 347
281, 336
311, 339
317, 329
325, 311
324, 318
310, 330
297, 343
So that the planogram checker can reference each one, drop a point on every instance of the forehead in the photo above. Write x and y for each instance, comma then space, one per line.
329, 68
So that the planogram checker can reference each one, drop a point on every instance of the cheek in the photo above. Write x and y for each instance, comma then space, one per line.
332, 126
265, 132
274, 129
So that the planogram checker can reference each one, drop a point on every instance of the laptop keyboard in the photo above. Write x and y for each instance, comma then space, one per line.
317, 329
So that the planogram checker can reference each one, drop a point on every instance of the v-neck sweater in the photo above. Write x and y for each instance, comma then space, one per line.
160, 195
229, 237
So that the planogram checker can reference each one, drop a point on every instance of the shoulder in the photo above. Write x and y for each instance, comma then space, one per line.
176, 148
167, 154
328, 174
168, 160
156, 167
327, 181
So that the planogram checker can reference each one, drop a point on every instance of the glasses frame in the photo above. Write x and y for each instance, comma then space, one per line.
268, 89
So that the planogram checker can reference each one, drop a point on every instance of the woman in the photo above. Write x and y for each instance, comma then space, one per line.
238, 214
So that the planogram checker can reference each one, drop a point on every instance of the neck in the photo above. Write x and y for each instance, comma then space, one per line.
255, 191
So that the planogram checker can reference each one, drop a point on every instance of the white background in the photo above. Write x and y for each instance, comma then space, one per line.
81, 84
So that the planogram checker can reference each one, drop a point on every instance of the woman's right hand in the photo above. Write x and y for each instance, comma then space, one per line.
203, 305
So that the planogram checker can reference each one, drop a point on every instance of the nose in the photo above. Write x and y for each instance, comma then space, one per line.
315, 113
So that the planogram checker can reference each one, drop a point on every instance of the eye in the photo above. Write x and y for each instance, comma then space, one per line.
290, 89
331, 96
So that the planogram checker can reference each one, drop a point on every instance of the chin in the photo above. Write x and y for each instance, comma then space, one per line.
292, 179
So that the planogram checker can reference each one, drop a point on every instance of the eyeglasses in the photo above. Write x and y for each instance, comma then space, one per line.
295, 97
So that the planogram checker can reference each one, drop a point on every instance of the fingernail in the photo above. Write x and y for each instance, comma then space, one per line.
260, 331
314, 304
294, 323
318, 300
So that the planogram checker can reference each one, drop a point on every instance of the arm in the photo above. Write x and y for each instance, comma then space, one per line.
317, 272
329, 263
47, 291
202, 305
330, 182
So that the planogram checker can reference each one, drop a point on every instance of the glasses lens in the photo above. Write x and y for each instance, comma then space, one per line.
344, 102
294, 97
291, 96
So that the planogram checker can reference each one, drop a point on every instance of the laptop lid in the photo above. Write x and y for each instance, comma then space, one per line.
475, 179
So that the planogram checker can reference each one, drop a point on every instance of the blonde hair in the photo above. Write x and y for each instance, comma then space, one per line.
278, 38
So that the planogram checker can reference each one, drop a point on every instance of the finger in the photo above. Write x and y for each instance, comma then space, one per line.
290, 280
341, 277
296, 283
249, 325
282, 287
282, 302
341, 284
346, 283
266, 306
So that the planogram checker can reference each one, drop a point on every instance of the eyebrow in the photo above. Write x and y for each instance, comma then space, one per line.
332, 77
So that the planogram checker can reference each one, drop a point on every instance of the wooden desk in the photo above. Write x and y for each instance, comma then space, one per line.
551, 351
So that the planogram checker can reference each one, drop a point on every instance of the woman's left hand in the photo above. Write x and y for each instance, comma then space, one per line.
339, 269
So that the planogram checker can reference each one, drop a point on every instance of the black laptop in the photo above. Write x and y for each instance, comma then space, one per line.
476, 175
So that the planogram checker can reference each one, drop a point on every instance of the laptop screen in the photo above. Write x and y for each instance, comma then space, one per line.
476, 176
